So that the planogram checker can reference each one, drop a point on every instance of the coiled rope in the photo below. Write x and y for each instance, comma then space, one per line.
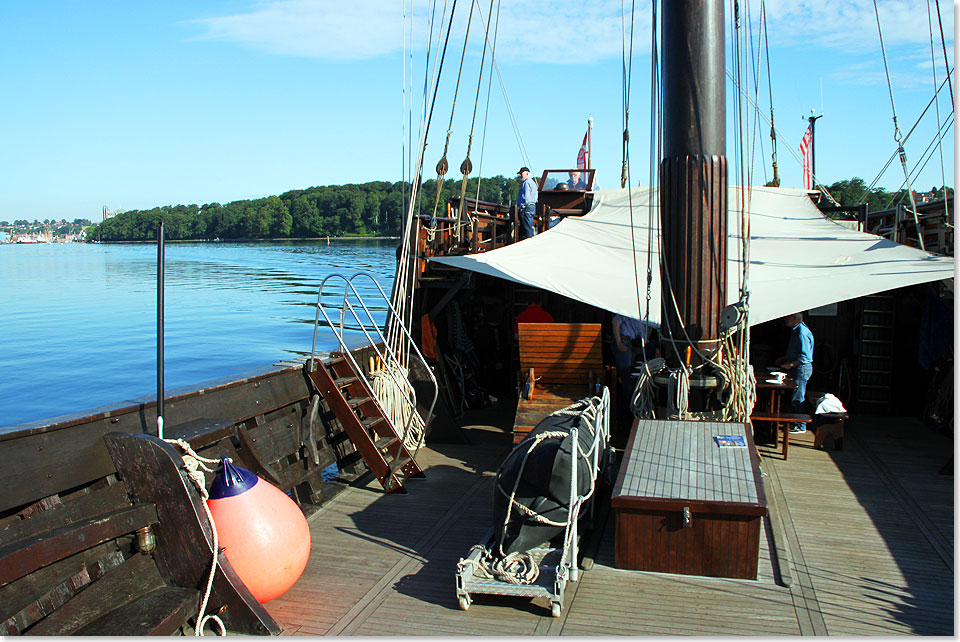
397, 397
641, 404
516, 568
678, 392
194, 463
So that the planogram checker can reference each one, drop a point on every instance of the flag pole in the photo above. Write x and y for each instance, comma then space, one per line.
589, 130
813, 151
160, 330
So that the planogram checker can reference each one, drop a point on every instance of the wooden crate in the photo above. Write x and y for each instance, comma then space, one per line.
673, 467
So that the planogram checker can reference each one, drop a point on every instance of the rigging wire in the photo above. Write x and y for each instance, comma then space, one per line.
919, 166
466, 166
656, 151
896, 128
442, 165
486, 112
896, 152
943, 41
773, 132
933, 70
627, 77
793, 152
401, 298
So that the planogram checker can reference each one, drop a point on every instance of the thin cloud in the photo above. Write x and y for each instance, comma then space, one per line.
852, 24
327, 29
542, 31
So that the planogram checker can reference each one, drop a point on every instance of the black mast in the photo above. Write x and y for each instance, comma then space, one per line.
693, 180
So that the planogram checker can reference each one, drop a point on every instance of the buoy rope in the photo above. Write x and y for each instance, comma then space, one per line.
193, 463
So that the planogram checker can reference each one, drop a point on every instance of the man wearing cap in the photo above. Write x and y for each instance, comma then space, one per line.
526, 203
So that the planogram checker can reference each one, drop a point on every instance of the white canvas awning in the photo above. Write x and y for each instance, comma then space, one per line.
798, 258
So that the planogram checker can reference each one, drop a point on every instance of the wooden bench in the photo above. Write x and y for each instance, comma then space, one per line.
560, 364
784, 421
70, 563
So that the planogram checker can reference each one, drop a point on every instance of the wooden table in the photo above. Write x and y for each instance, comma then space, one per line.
685, 505
772, 411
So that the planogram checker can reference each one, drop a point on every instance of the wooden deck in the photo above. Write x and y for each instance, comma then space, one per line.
865, 537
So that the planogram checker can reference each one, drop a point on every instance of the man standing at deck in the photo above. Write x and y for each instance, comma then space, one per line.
526, 203
798, 362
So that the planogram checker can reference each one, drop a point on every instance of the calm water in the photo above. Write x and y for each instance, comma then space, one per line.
78, 322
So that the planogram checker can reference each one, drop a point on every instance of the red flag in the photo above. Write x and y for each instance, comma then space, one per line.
582, 156
806, 152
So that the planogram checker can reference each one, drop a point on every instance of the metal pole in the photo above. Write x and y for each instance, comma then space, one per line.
160, 331
589, 138
813, 147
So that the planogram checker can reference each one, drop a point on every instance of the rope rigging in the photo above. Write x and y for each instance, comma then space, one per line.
897, 134
933, 70
486, 113
773, 130
442, 165
466, 166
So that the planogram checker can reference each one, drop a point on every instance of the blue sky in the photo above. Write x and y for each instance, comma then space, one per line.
137, 104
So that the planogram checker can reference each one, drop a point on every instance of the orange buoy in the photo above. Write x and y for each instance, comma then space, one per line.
262, 532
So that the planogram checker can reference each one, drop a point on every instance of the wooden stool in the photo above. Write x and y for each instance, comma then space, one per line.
829, 424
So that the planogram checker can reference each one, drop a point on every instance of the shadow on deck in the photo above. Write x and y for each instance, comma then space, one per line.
868, 532
870, 528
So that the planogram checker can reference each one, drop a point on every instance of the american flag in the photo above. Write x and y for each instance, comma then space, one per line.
582, 156
806, 152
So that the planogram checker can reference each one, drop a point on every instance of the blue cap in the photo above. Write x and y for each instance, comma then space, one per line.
231, 480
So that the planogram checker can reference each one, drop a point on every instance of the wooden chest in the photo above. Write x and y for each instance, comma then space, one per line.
686, 505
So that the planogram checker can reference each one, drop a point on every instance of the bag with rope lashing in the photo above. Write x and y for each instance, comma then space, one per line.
532, 493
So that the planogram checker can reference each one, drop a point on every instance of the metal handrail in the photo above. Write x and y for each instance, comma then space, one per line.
373, 333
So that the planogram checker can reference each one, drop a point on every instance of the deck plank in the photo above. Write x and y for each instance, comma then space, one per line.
864, 562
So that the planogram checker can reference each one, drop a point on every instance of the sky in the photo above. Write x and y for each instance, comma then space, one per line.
133, 105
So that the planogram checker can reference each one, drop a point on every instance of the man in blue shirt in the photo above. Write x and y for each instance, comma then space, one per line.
526, 203
798, 362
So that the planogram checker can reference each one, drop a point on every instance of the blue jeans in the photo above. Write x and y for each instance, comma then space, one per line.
801, 374
624, 364
526, 221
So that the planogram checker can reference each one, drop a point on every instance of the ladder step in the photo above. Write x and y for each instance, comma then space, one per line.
398, 463
383, 442
342, 382
371, 421
357, 401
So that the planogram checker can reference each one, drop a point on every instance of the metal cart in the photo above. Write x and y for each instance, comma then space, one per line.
556, 565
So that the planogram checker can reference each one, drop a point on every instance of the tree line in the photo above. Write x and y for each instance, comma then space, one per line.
368, 209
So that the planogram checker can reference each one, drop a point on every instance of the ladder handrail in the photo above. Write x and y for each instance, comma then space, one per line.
388, 356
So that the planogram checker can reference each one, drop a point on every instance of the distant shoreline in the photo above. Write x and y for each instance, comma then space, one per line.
304, 238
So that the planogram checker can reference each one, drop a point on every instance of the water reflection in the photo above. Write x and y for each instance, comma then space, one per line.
230, 308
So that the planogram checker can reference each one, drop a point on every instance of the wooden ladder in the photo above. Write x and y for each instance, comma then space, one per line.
365, 422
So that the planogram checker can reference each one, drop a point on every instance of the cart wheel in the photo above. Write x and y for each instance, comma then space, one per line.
555, 609
464, 602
